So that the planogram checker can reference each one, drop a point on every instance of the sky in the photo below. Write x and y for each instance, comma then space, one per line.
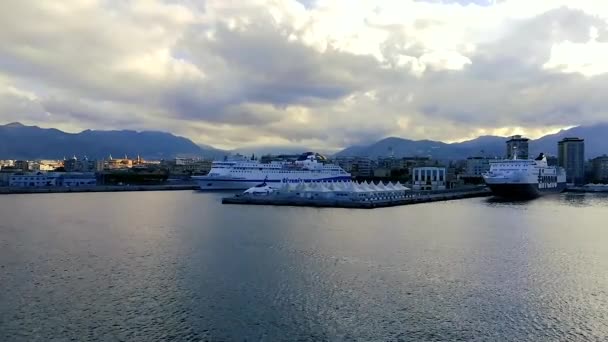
316, 73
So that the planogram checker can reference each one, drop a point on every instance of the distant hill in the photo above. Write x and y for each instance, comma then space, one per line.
275, 150
596, 143
18, 141
596, 140
489, 146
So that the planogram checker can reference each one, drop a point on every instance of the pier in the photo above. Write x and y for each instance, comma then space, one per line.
96, 188
405, 198
593, 188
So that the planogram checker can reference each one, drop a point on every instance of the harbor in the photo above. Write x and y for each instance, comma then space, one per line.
95, 188
601, 188
350, 195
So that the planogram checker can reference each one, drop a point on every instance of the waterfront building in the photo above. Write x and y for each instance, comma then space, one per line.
194, 165
429, 178
118, 164
356, 166
599, 169
517, 146
44, 165
83, 165
5, 175
51, 179
75, 179
476, 166
22, 165
390, 163
33, 179
187, 166
6, 163
571, 156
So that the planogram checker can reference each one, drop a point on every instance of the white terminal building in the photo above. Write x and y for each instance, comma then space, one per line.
429, 178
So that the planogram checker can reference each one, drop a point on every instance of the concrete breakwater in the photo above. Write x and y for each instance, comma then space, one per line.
97, 188
589, 188
405, 198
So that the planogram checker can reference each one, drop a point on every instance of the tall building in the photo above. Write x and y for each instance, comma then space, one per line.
356, 166
188, 166
517, 145
476, 166
82, 165
600, 169
571, 156
22, 165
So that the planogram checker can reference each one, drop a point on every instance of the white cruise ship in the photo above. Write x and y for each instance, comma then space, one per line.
522, 178
240, 175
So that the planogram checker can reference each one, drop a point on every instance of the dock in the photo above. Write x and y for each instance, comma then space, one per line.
96, 188
407, 198
594, 188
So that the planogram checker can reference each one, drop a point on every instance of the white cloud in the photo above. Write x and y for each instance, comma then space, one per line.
318, 73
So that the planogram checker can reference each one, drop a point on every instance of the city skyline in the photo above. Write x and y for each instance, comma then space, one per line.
321, 74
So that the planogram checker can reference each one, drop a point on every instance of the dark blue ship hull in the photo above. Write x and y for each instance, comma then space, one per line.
525, 191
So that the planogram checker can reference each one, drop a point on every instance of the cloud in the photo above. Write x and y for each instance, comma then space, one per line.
315, 73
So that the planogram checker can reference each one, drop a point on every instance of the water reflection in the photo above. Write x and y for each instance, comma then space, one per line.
584, 199
507, 202
181, 266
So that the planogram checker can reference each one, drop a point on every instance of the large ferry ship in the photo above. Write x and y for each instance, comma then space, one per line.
522, 178
240, 175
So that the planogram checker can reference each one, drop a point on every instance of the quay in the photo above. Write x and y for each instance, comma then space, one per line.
95, 188
405, 198
601, 188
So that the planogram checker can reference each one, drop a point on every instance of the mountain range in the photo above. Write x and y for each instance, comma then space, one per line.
18, 141
596, 144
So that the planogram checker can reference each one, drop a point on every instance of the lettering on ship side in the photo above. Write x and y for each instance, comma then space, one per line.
547, 185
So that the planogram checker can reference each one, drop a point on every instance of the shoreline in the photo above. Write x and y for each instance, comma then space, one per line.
587, 190
96, 188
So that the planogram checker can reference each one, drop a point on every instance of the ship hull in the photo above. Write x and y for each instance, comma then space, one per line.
524, 191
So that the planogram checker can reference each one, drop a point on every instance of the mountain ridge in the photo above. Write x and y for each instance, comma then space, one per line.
488, 145
18, 141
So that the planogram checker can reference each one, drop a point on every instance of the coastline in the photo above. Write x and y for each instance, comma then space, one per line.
97, 188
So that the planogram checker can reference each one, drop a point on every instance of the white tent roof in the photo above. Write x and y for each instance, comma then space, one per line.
323, 188
358, 188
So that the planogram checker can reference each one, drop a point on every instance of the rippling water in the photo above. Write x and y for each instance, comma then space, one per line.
180, 266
